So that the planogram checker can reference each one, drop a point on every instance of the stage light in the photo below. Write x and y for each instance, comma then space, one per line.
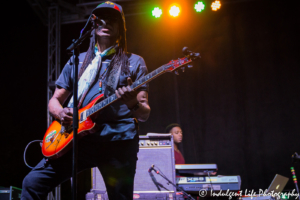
156, 12
216, 5
174, 11
283, 196
199, 6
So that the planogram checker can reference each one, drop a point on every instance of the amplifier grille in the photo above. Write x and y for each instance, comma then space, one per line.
163, 160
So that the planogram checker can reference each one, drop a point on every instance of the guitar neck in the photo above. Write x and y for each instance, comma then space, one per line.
143, 80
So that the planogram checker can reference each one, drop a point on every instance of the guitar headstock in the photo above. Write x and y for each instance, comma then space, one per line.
174, 65
190, 54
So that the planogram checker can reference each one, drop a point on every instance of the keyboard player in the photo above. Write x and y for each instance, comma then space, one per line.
176, 131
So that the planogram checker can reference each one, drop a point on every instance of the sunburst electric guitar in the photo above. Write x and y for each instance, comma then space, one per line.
58, 139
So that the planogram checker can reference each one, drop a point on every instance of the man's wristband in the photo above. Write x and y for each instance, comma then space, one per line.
134, 108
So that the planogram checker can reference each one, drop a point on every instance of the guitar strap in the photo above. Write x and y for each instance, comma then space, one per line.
112, 79
89, 75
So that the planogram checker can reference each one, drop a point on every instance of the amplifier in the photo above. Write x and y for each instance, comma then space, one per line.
154, 149
216, 183
10, 193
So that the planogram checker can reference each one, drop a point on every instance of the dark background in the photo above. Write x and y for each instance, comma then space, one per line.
238, 106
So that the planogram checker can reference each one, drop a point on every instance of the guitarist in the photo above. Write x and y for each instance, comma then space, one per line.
106, 68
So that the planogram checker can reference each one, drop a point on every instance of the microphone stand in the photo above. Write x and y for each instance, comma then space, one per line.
74, 48
178, 188
294, 158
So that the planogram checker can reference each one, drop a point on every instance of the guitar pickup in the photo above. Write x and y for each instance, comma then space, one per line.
82, 116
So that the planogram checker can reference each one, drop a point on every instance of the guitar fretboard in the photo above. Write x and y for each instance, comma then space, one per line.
143, 80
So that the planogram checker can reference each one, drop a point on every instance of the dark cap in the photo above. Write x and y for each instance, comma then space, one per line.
170, 126
110, 6
113, 8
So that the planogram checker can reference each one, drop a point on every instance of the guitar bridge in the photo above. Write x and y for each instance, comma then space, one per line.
66, 130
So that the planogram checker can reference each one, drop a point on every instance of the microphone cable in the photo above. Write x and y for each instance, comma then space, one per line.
85, 25
180, 189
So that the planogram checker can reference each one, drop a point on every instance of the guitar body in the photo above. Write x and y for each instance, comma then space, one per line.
59, 139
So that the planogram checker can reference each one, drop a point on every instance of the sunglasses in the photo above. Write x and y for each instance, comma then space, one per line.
110, 18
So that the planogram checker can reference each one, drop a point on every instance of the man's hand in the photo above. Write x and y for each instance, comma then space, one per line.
66, 116
131, 98
127, 95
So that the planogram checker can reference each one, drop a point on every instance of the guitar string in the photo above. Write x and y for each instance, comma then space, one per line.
113, 96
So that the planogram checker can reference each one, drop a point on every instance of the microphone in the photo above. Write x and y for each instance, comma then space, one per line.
295, 157
151, 168
99, 22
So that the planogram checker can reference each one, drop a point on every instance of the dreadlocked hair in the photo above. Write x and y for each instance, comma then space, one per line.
120, 58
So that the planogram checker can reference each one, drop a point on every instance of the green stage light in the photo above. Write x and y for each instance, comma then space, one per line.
199, 6
156, 12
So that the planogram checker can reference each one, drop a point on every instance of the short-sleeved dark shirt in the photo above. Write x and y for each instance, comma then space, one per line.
179, 159
116, 121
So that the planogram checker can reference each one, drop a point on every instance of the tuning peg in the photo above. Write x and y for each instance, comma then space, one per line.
183, 68
176, 72
186, 51
190, 66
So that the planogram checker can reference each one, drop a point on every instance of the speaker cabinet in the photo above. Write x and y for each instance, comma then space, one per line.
154, 149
